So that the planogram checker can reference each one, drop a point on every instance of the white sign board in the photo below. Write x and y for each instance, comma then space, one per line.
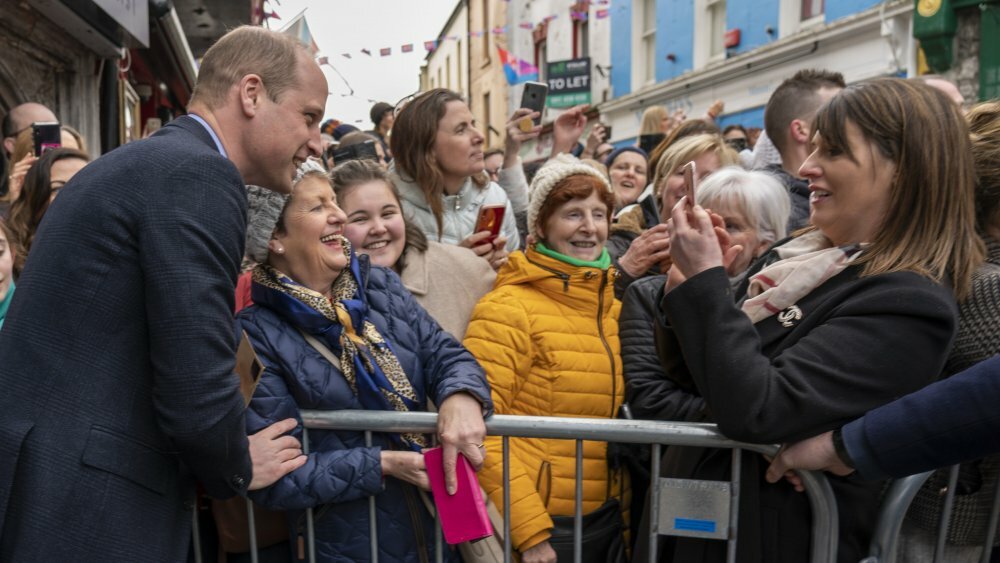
133, 15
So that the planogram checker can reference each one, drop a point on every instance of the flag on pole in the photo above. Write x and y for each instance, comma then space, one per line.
515, 69
385, 51
298, 28
408, 48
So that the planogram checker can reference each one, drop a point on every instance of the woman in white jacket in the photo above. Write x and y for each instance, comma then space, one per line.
439, 172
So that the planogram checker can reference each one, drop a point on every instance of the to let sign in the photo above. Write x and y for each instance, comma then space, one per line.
569, 82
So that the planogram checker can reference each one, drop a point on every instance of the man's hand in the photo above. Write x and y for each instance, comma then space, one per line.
274, 454
568, 128
814, 454
460, 429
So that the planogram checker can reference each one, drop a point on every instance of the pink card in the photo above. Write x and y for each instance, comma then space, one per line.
463, 515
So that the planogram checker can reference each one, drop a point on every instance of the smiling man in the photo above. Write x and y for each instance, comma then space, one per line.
117, 354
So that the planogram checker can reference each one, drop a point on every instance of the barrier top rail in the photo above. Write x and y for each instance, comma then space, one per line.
818, 490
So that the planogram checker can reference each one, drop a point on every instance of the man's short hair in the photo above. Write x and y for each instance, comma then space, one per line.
248, 50
796, 98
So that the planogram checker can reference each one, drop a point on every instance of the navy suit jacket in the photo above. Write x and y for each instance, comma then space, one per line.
117, 356
943, 424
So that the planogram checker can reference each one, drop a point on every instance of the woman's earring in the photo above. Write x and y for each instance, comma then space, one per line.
280, 250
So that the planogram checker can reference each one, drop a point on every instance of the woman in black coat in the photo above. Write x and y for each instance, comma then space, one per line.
838, 320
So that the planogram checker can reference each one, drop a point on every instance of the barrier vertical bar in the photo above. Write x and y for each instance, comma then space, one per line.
506, 500
372, 516
196, 534
438, 540
734, 504
252, 525
992, 525
654, 501
310, 524
949, 502
578, 506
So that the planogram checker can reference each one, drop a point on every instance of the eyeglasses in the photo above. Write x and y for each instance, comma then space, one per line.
402, 103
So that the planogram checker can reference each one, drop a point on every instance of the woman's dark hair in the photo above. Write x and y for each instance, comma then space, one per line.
984, 125
930, 226
734, 127
13, 248
351, 174
36, 193
413, 135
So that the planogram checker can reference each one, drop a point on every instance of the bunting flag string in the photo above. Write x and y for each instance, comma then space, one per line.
300, 29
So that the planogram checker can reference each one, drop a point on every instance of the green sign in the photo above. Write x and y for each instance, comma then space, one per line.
569, 82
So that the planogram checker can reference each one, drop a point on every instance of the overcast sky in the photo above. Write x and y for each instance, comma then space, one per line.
347, 26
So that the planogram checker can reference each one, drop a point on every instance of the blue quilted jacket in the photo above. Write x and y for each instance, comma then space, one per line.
342, 473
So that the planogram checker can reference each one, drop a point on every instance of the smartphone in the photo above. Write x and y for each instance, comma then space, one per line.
490, 219
533, 98
690, 180
607, 133
46, 135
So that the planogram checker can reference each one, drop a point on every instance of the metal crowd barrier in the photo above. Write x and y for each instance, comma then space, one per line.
657, 434
899, 496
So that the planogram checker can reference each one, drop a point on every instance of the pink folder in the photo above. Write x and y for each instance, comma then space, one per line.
463, 515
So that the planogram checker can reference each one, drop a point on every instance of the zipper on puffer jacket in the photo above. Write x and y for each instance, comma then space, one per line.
563, 276
611, 358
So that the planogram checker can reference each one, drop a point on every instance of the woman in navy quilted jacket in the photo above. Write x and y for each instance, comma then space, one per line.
315, 299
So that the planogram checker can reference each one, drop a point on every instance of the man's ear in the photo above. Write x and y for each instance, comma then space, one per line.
251, 94
798, 131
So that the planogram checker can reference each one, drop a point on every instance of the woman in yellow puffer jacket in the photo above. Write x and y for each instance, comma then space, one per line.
547, 336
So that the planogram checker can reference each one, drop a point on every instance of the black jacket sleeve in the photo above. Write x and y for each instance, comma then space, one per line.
877, 338
945, 423
648, 390
191, 244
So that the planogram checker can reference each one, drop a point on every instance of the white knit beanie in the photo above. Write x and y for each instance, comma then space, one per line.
553, 172
264, 208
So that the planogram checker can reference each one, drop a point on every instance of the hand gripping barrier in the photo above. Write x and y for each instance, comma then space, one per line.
657, 434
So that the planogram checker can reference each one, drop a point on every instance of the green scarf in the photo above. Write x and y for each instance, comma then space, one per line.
602, 263
5, 304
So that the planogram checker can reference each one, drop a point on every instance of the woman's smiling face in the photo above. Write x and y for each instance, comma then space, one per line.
374, 222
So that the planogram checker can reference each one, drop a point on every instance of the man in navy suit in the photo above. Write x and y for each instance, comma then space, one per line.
117, 391
949, 422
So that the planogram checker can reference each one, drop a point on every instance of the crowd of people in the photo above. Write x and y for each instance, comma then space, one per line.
779, 283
